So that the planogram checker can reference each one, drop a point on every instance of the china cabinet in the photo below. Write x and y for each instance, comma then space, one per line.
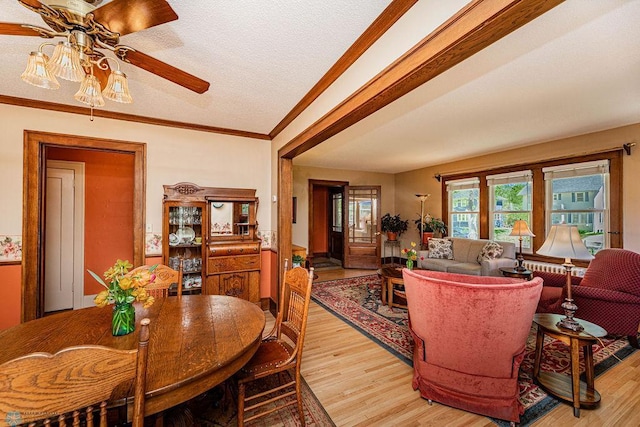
214, 231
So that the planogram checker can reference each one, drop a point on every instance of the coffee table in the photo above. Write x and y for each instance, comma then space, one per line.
392, 276
569, 388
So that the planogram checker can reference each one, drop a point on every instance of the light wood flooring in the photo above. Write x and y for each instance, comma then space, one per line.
361, 384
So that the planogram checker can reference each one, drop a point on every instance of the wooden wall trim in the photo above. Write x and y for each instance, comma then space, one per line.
473, 28
72, 109
387, 18
34, 170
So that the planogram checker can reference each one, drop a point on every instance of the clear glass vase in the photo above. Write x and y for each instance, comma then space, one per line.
410, 264
123, 321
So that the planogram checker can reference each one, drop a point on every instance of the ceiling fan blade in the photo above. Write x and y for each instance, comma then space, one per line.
129, 16
162, 69
10, 29
33, 3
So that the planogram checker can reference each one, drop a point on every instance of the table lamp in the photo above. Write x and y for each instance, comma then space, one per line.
521, 229
563, 241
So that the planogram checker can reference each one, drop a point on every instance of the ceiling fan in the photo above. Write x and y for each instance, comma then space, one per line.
90, 28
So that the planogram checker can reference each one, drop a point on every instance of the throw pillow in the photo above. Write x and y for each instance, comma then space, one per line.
440, 249
491, 250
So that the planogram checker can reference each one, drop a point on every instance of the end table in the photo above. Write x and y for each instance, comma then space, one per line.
569, 388
514, 272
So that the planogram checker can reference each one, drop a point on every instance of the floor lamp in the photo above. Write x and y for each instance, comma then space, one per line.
563, 241
521, 229
423, 198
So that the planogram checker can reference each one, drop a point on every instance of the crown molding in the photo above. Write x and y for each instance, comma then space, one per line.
52, 106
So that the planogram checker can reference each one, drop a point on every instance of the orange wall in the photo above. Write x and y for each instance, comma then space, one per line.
10, 295
108, 206
320, 220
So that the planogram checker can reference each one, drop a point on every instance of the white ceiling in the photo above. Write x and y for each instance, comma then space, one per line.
574, 70
261, 57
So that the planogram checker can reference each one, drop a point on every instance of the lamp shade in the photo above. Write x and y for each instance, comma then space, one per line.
65, 63
563, 241
117, 88
520, 228
37, 72
89, 92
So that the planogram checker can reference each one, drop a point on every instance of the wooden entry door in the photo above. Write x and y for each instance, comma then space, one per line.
362, 231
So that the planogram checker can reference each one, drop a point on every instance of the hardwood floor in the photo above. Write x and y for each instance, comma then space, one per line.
361, 384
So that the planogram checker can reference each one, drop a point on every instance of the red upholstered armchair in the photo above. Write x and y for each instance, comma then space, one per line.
608, 294
470, 334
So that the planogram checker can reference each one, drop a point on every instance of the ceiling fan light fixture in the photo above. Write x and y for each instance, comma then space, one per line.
37, 73
117, 88
89, 92
65, 62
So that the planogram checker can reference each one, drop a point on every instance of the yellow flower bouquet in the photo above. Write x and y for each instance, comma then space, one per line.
122, 291
412, 255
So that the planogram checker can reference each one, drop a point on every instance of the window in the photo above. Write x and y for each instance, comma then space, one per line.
586, 186
464, 208
510, 199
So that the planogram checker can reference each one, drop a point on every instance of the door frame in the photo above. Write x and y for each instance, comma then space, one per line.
313, 183
78, 226
34, 169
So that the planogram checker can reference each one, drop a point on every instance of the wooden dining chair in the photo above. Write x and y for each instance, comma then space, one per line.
73, 386
165, 277
280, 350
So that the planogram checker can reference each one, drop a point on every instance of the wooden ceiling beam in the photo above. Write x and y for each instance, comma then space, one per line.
473, 28
387, 18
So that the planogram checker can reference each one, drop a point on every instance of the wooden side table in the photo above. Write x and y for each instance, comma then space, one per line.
569, 388
519, 274
391, 276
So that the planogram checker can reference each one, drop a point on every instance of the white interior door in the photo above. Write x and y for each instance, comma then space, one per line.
64, 234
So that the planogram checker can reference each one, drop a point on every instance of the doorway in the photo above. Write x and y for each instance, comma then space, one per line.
37, 146
64, 236
326, 216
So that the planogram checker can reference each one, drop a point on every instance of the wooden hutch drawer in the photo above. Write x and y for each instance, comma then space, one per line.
233, 263
234, 249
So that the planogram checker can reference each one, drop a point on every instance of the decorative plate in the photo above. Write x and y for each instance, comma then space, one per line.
217, 205
185, 234
173, 240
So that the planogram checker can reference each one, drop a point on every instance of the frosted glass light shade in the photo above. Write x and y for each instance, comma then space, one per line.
65, 63
117, 88
89, 92
564, 241
37, 72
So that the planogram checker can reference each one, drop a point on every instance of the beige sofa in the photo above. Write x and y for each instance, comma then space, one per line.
465, 258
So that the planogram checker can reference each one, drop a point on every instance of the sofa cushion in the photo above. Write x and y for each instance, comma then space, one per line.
440, 249
470, 268
491, 250
436, 264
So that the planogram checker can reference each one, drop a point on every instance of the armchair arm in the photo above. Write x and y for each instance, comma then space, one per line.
556, 280
602, 294
491, 267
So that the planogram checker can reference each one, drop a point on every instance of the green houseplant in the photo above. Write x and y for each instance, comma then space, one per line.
393, 225
431, 224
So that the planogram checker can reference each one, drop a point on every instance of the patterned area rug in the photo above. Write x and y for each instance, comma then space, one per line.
357, 302
217, 408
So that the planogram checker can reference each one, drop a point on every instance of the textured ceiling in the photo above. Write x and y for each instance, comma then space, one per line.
261, 57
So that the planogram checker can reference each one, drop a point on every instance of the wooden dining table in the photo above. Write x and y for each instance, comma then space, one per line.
196, 342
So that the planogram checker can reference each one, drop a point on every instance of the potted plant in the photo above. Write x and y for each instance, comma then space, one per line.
393, 225
430, 227
297, 260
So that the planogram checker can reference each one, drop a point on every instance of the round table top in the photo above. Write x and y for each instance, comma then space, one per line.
548, 322
196, 341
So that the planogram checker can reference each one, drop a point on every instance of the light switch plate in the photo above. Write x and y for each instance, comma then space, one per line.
149, 228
